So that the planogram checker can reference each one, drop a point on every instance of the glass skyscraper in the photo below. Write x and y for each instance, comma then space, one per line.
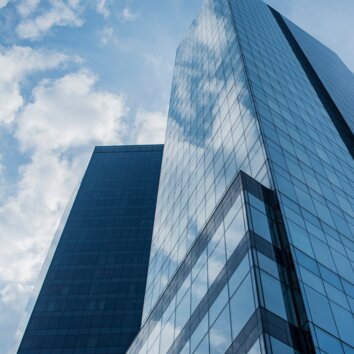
253, 239
252, 248
91, 300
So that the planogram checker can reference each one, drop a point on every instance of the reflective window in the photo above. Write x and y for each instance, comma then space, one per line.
239, 274
242, 306
273, 295
345, 323
320, 310
279, 347
328, 343
234, 233
167, 335
218, 305
199, 333
216, 261
203, 346
183, 312
268, 265
199, 287
220, 333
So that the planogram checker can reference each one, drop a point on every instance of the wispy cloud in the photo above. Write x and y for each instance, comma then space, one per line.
127, 15
106, 35
102, 8
26, 7
59, 13
3, 3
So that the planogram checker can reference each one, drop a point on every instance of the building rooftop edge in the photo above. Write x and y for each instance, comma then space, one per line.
128, 148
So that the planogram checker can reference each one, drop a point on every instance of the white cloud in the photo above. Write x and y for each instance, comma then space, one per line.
13, 299
127, 15
102, 8
3, 3
2, 178
15, 63
69, 112
150, 127
59, 13
27, 7
106, 35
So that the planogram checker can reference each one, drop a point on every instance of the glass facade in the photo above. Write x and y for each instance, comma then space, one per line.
312, 172
91, 300
252, 247
235, 290
253, 239
336, 77
212, 133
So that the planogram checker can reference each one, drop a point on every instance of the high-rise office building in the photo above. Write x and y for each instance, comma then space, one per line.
91, 300
253, 241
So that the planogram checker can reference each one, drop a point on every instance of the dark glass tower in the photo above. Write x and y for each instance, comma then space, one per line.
91, 300
253, 242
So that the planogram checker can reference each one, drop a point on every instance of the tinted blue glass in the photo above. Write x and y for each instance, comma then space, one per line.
273, 296
242, 306
312, 167
336, 77
280, 348
199, 333
211, 135
92, 296
320, 310
220, 333
218, 305
328, 343
203, 347
260, 224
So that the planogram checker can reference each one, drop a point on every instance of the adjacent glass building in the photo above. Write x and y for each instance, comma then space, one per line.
253, 241
91, 300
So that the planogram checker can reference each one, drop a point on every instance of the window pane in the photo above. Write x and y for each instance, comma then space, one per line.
280, 347
199, 333
345, 323
183, 312
220, 333
320, 310
268, 265
232, 212
234, 233
273, 295
167, 336
328, 343
218, 305
199, 287
203, 347
216, 261
260, 224
256, 349
239, 274
242, 306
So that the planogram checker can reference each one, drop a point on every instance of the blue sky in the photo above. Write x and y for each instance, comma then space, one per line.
75, 74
